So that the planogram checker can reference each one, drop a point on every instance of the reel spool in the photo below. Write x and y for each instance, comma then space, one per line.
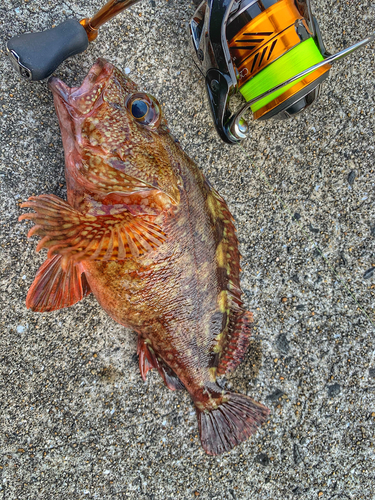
271, 51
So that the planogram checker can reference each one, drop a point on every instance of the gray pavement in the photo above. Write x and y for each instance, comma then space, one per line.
76, 420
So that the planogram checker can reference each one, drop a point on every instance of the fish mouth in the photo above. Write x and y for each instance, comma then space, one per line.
99, 72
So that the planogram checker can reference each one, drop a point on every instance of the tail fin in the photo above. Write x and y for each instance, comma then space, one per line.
235, 419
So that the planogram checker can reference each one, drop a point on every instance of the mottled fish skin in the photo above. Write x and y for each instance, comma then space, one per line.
153, 241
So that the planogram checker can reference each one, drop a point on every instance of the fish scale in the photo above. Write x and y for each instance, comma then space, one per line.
155, 244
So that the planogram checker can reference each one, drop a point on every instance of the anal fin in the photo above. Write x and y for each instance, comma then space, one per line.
55, 288
148, 359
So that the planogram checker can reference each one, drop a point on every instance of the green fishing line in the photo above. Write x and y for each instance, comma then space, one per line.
298, 59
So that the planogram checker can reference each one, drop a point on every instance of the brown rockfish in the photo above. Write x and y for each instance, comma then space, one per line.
145, 232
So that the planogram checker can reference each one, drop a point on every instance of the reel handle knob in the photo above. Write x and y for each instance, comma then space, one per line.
36, 55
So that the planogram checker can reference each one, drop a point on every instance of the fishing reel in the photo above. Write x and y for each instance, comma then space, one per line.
270, 51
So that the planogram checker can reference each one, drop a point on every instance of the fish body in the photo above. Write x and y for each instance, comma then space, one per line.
145, 233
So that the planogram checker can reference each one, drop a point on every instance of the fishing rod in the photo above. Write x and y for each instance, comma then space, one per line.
35, 56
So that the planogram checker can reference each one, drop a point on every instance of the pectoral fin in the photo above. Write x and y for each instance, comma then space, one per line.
55, 288
103, 236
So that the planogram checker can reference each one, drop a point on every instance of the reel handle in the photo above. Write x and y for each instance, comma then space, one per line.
35, 56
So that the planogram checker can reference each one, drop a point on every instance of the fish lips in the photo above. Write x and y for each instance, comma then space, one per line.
81, 100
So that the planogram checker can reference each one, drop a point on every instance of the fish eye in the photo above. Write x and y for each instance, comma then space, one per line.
144, 109
139, 109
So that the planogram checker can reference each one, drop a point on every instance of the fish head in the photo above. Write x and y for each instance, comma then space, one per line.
111, 131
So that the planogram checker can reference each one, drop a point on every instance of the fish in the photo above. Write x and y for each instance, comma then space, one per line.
144, 231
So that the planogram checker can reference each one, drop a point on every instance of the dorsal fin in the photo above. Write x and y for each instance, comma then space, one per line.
237, 342
233, 340
54, 288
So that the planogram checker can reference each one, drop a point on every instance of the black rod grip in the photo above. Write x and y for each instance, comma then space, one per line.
37, 55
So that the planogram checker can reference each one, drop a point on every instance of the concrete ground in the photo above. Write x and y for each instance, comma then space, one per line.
76, 419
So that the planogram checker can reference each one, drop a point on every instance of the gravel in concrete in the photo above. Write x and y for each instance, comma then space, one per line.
76, 419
